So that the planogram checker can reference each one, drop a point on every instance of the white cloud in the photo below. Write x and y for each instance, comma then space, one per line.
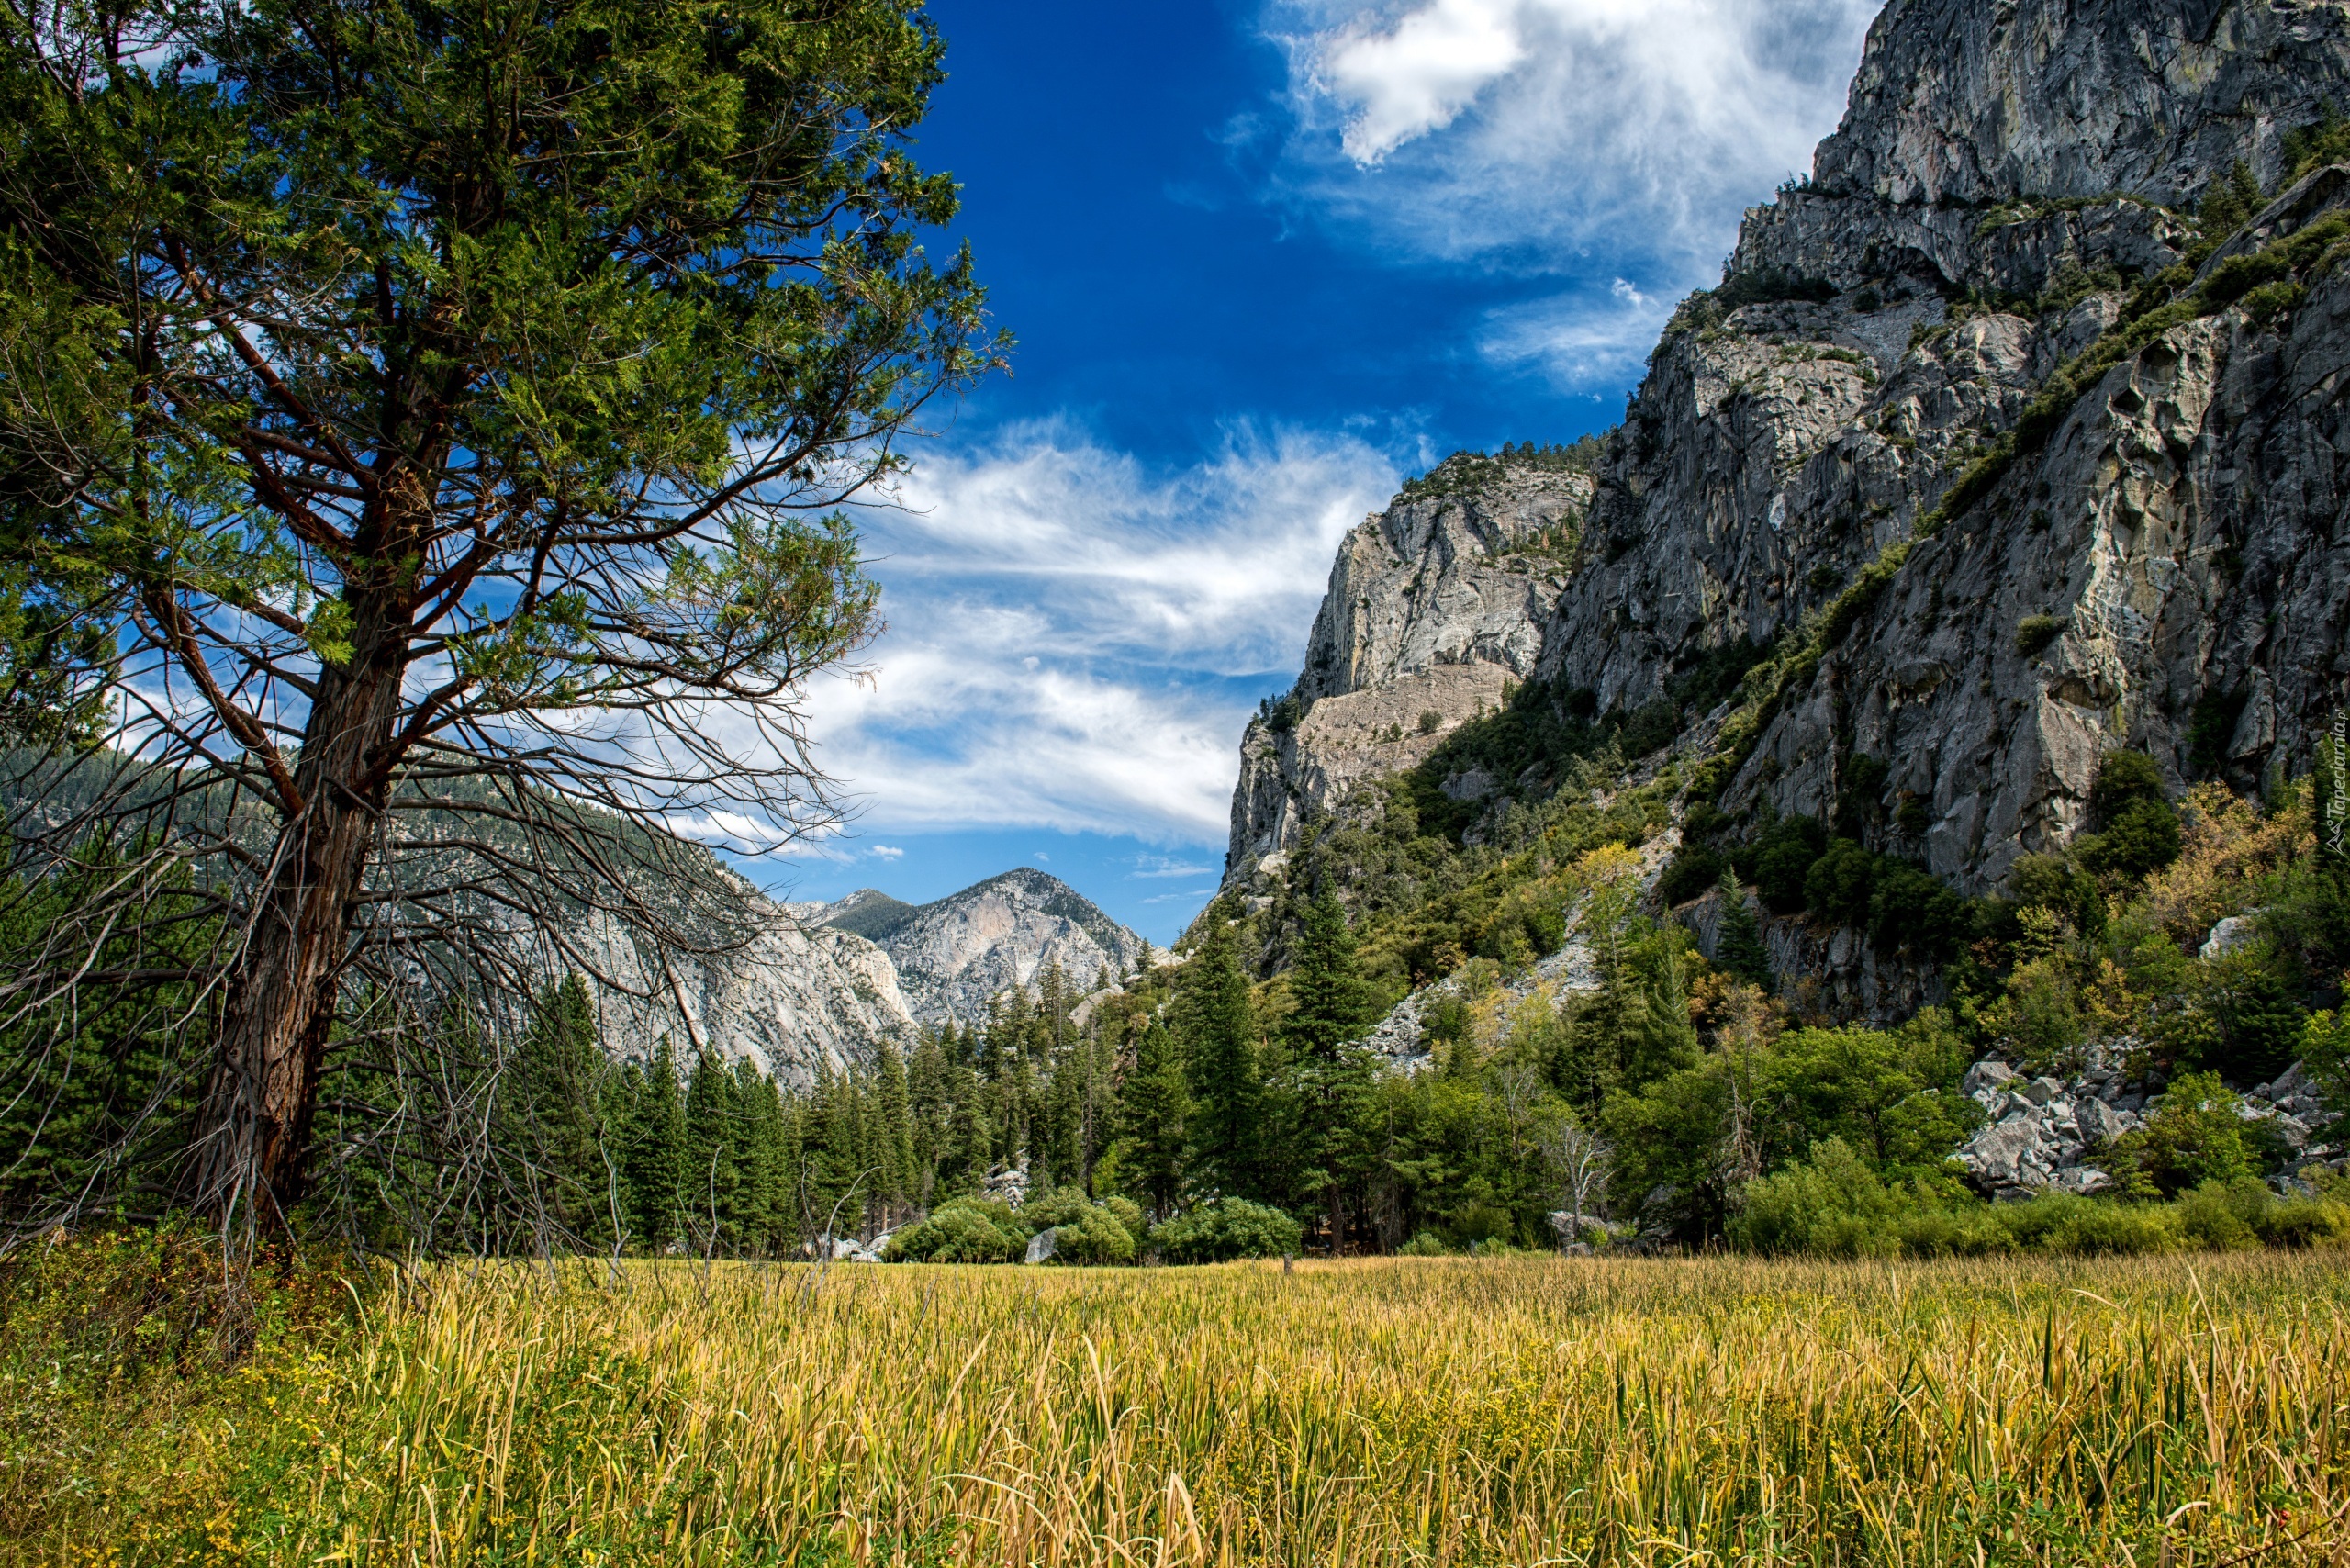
885, 852
1416, 76
1075, 641
1156, 867
1579, 340
1531, 131
1182, 895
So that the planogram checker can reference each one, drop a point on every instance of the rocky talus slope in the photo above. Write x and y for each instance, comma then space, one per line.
1436, 606
2040, 1131
953, 956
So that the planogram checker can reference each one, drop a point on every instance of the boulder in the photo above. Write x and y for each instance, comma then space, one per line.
2082, 1179
2003, 1154
2098, 1122
1041, 1245
2237, 931
2042, 1090
1563, 1226
1985, 1079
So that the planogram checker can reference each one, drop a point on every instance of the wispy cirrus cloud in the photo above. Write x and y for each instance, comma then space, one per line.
1587, 140
1075, 639
1500, 127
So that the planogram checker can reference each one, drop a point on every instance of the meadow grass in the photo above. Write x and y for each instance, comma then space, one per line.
2146, 1411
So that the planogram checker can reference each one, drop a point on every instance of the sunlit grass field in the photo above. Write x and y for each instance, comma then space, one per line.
2166, 1411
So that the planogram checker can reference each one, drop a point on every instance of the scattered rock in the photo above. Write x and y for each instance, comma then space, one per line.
2100, 1122
1009, 1187
2234, 933
1985, 1079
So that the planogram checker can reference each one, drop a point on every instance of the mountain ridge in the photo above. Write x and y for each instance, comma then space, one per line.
2008, 440
956, 955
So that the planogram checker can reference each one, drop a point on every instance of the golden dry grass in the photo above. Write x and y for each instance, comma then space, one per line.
2166, 1411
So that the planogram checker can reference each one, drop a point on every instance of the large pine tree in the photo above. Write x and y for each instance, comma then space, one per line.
657, 1152
1219, 1023
549, 1127
1154, 1109
1330, 1077
447, 407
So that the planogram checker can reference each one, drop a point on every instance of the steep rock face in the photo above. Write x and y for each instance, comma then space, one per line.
1967, 101
1435, 606
2180, 531
796, 999
951, 956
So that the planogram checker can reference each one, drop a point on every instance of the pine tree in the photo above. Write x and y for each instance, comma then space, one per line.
1737, 946
549, 1125
1154, 1108
898, 1180
1330, 1077
657, 1153
1217, 1022
1099, 1104
760, 1195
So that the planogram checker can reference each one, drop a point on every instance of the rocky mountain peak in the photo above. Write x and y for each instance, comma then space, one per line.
1435, 609
1998, 449
953, 956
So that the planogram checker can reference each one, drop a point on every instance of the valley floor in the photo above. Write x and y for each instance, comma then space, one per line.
2182, 1410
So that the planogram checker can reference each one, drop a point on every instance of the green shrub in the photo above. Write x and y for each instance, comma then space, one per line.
2212, 727
1781, 857
2034, 632
2325, 1048
2124, 778
962, 1230
2191, 1136
1837, 885
1085, 1232
1225, 1228
2242, 1019
2302, 1222
1424, 1244
2145, 837
1831, 1204
2072, 1225
1691, 872
1130, 1217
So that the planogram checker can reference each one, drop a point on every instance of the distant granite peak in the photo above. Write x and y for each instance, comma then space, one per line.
955, 953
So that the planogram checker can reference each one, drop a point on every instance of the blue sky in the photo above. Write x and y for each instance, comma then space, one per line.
1263, 261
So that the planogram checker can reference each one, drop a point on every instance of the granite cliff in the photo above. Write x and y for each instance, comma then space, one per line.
956, 955
796, 999
2012, 436
1436, 610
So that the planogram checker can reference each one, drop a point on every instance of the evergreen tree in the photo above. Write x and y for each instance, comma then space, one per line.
657, 1153
1737, 947
760, 1192
1329, 1076
898, 1180
549, 1125
1098, 1101
1154, 1107
714, 1207
1214, 1015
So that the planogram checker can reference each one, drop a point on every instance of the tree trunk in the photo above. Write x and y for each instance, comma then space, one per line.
254, 1132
